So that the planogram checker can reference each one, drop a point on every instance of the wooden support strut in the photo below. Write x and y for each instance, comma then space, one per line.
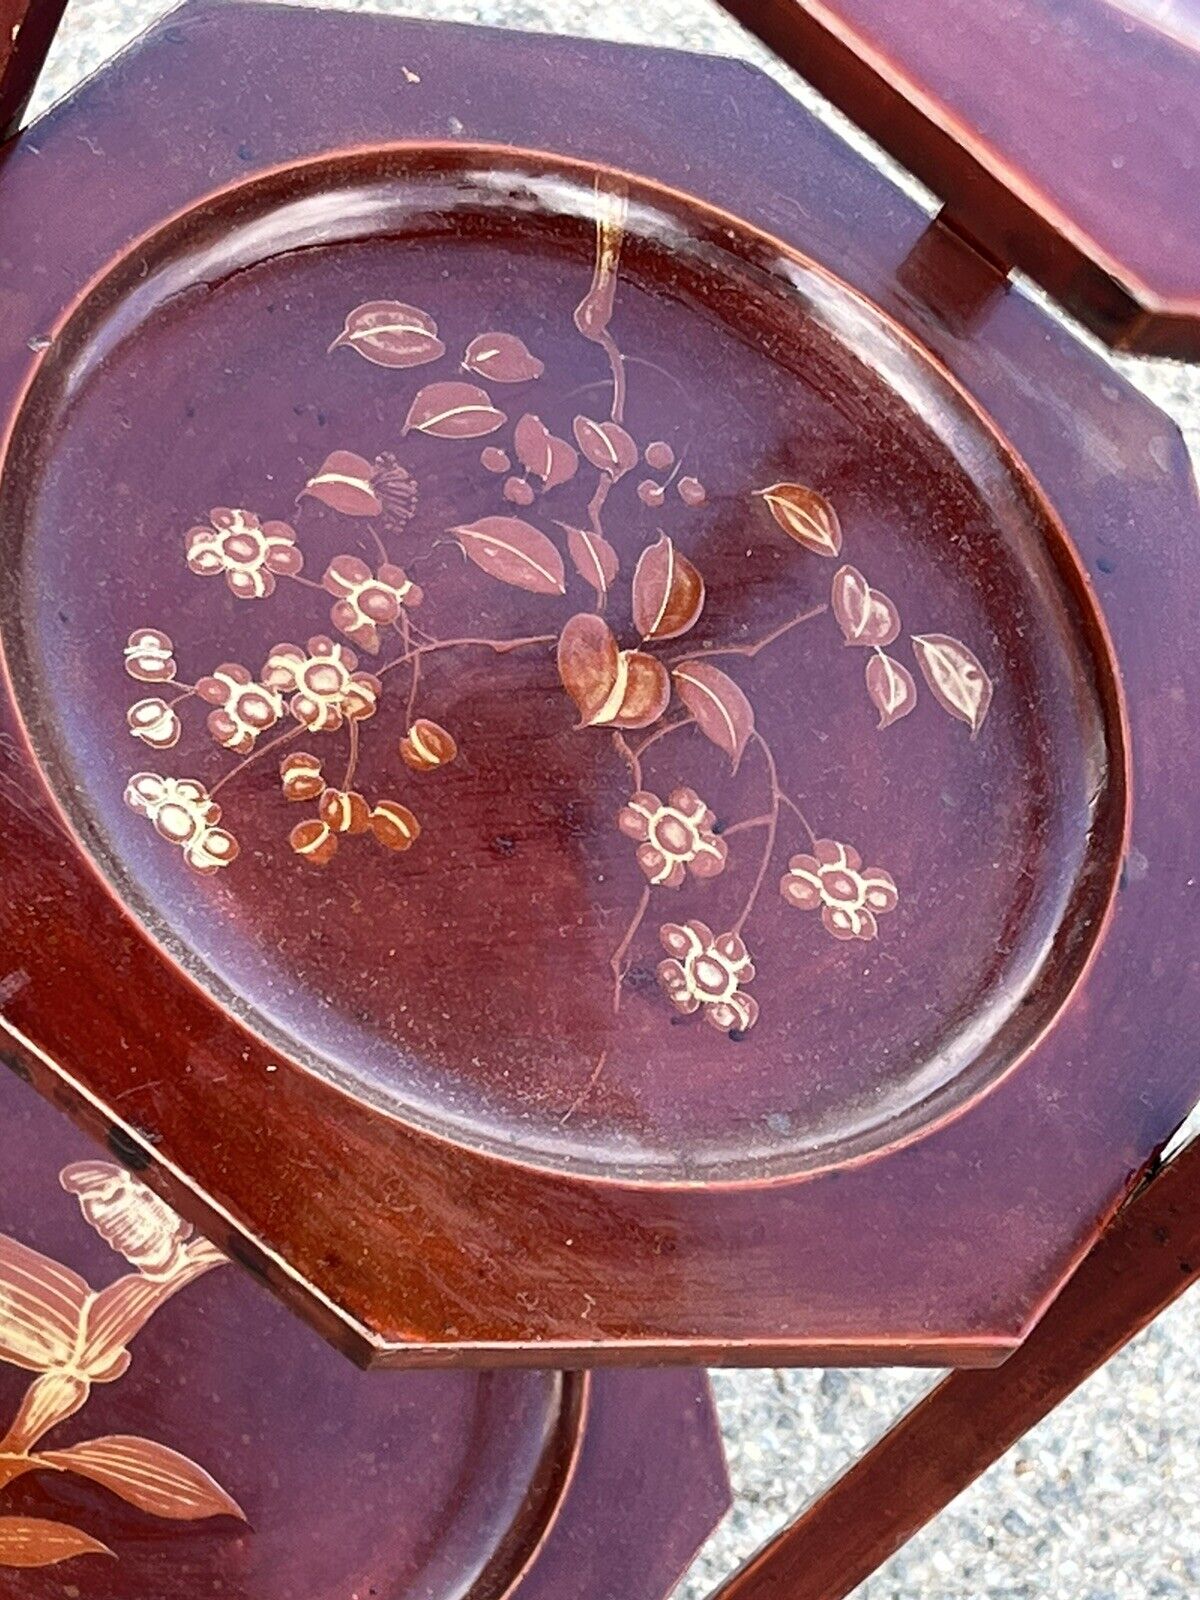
27, 29
1148, 1257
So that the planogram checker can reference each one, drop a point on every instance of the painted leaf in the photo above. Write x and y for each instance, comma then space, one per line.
595, 559
606, 445
51, 1398
345, 482
722, 712
645, 690
515, 552
866, 616
891, 688
668, 592
453, 411
391, 334
503, 358
806, 516
34, 1542
612, 687
123, 1308
149, 1476
957, 681
539, 451
42, 1306
588, 657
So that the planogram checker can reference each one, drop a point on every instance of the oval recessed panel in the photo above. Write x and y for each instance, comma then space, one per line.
561, 666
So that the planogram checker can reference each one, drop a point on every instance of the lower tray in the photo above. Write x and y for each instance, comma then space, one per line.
171, 1431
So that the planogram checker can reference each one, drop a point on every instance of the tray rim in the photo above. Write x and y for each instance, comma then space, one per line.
1090, 629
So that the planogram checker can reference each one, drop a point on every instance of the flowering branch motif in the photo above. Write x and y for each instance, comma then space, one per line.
71, 1336
618, 686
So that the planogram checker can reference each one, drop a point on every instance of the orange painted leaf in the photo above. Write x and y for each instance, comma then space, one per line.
646, 690
722, 712
34, 1542
502, 358
806, 516
668, 592
606, 445
541, 452
891, 688
453, 411
612, 687
588, 658
956, 679
515, 552
391, 334
866, 616
595, 559
345, 483
148, 1475
42, 1307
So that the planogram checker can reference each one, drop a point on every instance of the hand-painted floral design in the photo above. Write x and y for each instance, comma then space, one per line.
365, 601
130, 1218
182, 812
251, 554
244, 708
674, 838
325, 686
707, 973
149, 657
154, 722
628, 630
71, 1337
850, 897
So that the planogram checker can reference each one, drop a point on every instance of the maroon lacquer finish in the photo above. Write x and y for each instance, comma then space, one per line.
1072, 156
772, 1033
199, 1439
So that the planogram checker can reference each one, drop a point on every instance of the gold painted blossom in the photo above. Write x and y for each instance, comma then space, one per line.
365, 601
249, 553
673, 839
244, 708
130, 1218
325, 687
833, 878
149, 656
706, 973
182, 812
154, 722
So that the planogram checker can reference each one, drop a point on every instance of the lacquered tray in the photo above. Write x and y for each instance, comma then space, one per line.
167, 1430
594, 731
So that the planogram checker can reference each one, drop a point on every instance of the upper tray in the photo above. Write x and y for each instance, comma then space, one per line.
568, 712
1060, 134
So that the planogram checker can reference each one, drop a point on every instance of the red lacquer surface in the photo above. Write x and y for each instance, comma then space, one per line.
199, 1439
507, 1042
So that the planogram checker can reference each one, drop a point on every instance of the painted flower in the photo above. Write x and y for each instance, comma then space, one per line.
154, 722
244, 709
130, 1218
182, 812
325, 688
250, 553
675, 838
427, 746
301, 776
149, 656
706, 973
833, 878
365, 601
314, 840
394, 825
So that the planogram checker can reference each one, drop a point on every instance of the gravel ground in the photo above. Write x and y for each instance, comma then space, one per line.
1102, 1501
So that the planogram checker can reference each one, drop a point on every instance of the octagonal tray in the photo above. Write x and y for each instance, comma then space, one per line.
577, 714
197, 1439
